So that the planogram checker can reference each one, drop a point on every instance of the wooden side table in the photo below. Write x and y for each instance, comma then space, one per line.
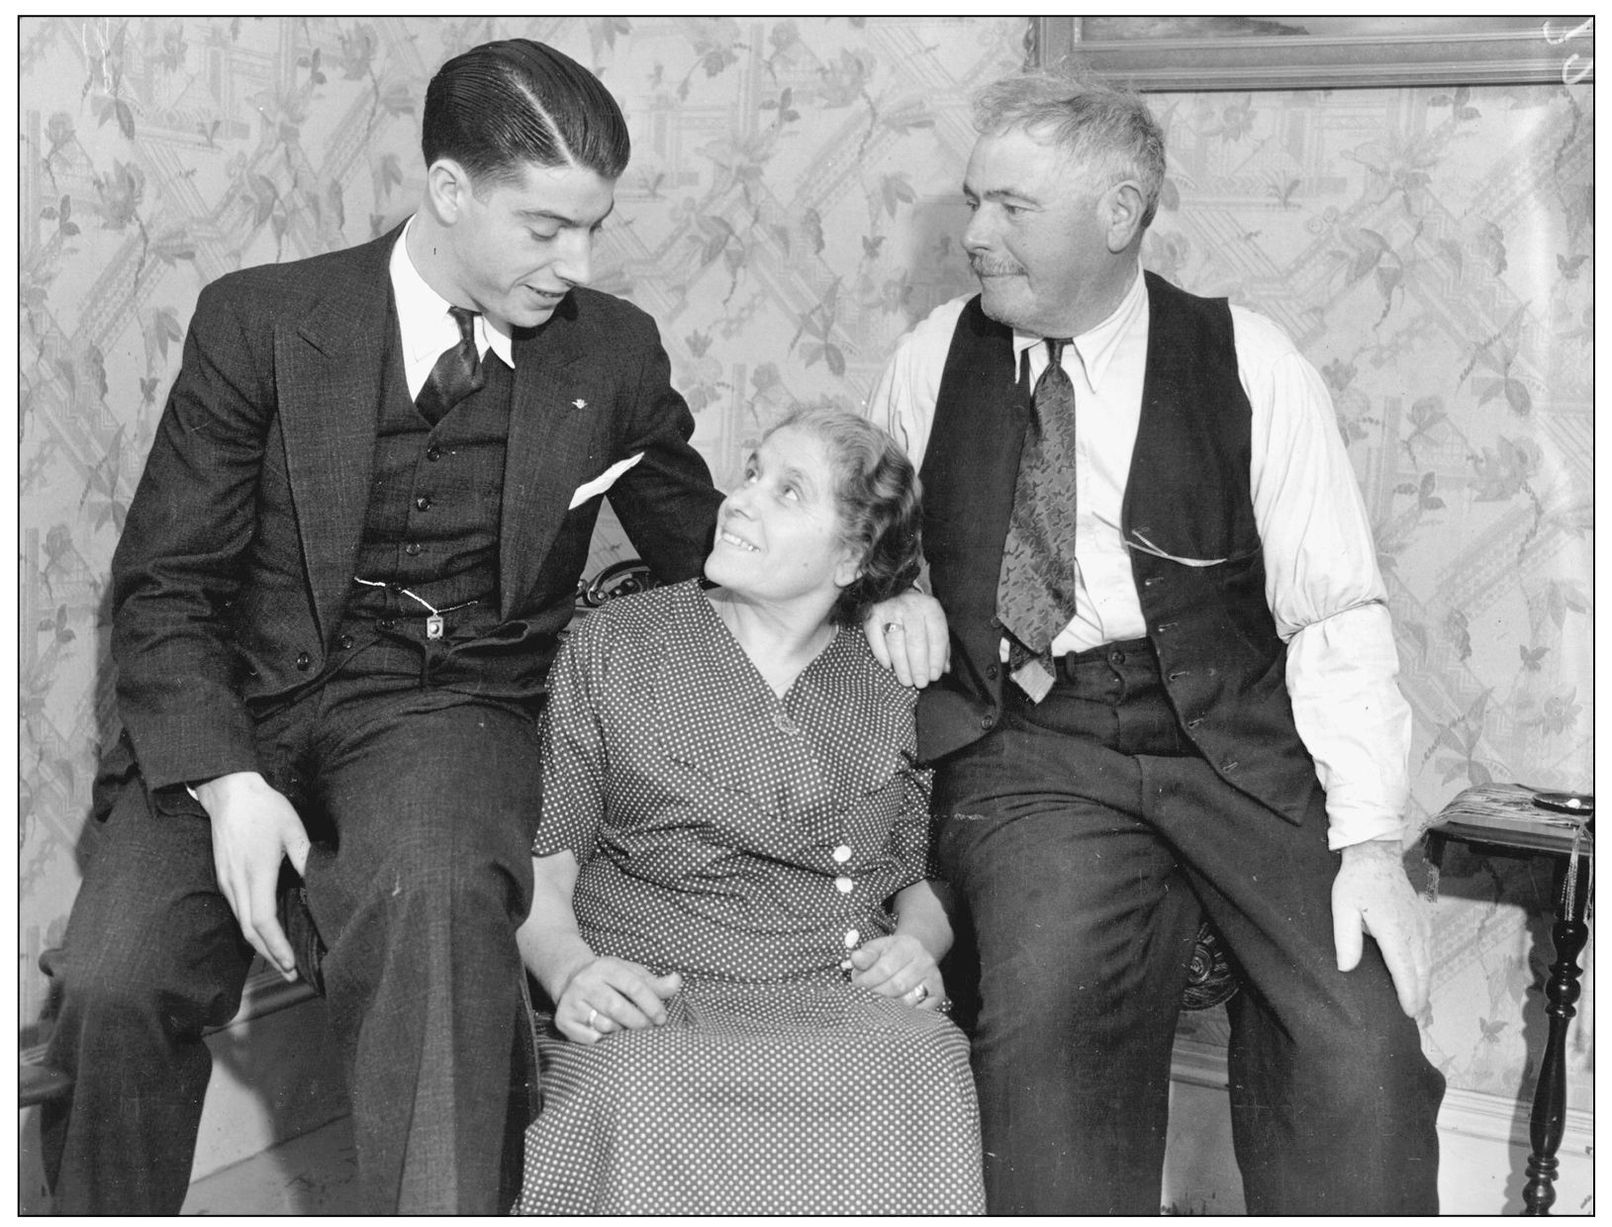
1516, 820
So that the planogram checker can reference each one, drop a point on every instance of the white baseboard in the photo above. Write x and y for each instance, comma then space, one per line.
275, 1076
1483, 1147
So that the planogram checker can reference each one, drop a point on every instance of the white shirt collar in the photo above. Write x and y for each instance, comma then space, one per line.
1095, 347
422, 314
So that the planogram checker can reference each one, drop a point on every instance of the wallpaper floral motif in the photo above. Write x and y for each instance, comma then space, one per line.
792, 207
1428, 250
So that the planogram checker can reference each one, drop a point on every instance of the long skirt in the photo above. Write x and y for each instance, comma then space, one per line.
778, 1099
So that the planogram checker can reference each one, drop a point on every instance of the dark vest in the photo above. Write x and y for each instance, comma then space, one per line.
434, 508
1187, 496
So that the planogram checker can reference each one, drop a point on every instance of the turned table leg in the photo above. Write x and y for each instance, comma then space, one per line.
1545, 1126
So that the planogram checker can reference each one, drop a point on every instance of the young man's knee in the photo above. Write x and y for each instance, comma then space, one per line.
139, 1005
463, 883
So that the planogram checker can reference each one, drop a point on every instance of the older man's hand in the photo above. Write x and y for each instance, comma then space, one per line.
1372, 895
908, 636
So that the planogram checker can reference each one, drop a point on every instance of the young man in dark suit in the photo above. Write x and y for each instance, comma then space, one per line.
336, 597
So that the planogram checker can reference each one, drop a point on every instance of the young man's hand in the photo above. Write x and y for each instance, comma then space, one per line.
255, 828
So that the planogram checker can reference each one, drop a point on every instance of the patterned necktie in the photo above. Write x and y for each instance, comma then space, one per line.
1035, 592
457, 373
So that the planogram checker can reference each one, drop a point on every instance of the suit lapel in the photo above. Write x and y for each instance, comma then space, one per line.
547, 450
329, 367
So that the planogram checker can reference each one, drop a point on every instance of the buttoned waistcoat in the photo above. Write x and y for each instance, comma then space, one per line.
237, 556
1187, 519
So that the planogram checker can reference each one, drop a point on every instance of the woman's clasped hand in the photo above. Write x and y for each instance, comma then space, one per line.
606, 995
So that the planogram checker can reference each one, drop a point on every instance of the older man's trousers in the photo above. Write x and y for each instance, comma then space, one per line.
1088, 838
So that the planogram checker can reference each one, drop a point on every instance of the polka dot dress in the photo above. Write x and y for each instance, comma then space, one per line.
748, 843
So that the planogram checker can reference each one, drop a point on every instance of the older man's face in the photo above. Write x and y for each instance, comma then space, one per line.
1036, 240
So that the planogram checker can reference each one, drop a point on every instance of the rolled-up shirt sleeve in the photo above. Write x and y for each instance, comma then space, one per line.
1325, 591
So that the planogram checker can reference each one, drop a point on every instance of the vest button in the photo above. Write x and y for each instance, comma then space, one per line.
423, 502
346, 641
990, 673
412, 548
988, 720
434, 452
996, 623
387, 624
1116, 657
304, 661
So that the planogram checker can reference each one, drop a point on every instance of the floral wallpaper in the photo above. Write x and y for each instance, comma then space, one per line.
1429, 250
792, 207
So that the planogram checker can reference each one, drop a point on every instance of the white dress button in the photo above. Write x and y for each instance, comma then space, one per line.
842, 854
844, 885
851, 938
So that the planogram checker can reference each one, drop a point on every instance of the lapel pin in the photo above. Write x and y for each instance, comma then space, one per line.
580, 403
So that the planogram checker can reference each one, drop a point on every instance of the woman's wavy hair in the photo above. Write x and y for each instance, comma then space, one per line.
877, 495
507, 105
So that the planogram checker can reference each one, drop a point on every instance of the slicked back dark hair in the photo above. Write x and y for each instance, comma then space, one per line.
507, 105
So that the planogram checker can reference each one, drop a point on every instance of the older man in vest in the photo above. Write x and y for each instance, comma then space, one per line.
1171, 695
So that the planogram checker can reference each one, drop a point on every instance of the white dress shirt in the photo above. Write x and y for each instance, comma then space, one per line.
1321, 578
426, 327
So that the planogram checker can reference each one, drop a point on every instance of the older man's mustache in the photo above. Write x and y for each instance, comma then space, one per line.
990, 268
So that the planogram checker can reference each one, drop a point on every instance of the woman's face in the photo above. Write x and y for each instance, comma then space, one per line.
779, 535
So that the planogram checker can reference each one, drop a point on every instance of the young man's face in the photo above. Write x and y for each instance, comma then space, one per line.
518, 247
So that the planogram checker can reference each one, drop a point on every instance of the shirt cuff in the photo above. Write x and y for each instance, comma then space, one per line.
1348, 825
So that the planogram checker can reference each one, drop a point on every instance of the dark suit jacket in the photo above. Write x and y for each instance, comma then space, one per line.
237, 556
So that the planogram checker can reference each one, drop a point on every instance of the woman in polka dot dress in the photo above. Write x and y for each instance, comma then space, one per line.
735, 914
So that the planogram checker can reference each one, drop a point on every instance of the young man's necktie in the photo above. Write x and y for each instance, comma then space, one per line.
457, 373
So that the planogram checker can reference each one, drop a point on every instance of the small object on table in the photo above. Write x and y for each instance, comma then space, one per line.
1515, 818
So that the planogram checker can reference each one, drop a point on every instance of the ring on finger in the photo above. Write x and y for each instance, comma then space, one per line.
921, 993
891, 626
592, 1016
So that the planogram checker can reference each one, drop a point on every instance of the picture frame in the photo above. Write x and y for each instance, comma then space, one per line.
1249, 53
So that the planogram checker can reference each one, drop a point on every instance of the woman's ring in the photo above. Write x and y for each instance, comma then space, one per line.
890, 626
592, 1014
921, 993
